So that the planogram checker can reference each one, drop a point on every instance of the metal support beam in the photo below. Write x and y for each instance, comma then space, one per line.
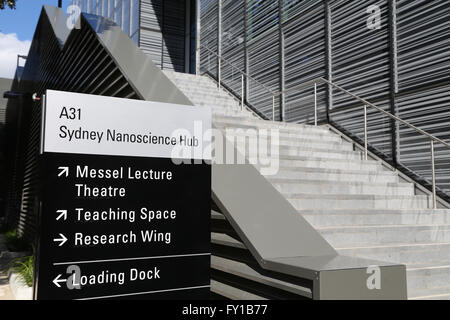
282, 60
197, 37
246, 62
219, 42
187, 36
393, 74
433, 175
328, 59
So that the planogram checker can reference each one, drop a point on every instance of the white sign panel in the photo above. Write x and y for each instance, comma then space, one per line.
89, 124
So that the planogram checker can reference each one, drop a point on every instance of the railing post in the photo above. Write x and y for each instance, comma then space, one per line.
242, 92
197, 64
365, 132
315, 104
218, 72
273, 108
433, 174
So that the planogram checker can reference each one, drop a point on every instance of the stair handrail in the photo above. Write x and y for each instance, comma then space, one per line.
243, 75
365, 103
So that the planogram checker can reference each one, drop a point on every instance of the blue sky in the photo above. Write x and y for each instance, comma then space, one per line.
23, 20
17, 30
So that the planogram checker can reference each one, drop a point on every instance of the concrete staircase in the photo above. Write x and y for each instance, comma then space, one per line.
360, 207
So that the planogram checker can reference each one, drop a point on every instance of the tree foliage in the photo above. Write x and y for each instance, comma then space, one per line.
7, 3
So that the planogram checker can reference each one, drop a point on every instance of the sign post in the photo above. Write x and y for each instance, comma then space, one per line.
124, 208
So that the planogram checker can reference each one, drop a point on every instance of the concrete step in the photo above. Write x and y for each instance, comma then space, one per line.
430, 294
232, 111
281, 135
291, 152
286, 141
265, 138
341, 187
349, 217
206, 96
243, 270
231, 292
406, 253
345, 201
266, 124
215, 103
429, 276
288, 163
302, 174
439, 293
347, 236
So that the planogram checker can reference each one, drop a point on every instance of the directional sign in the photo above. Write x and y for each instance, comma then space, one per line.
125, 199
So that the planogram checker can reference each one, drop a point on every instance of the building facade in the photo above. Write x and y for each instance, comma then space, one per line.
163, 29
393, 53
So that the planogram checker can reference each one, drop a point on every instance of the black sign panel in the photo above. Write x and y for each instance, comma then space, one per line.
123, 227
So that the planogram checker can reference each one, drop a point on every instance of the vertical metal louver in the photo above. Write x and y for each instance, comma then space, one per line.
151, 36
173, 32
304, 60
264, 62
401, 64
424, 85
81, 65
233, 37
163, 32
208, 36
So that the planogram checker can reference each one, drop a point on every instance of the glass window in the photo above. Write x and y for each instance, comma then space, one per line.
134, 18
111, 9
92, 6
99, 7
126, 16
118, 12
105, 8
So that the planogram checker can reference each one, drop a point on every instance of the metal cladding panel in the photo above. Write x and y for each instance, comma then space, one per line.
262, 17
424, 89
163, 32
428, 109
304, 60
392, 65
151, 14
233, 27
361, 64
423, 42
293, 8
82, 66
95, 60
151, 44
351, 118
151, 37
208, 36
174, 22
231, 77
264, 66
360, 55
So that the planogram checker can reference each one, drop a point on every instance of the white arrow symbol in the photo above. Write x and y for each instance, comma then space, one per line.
63, 214
63, 170
57, 280
63, 239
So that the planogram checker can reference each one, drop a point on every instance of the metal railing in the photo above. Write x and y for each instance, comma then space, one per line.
365, 103
244, 75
